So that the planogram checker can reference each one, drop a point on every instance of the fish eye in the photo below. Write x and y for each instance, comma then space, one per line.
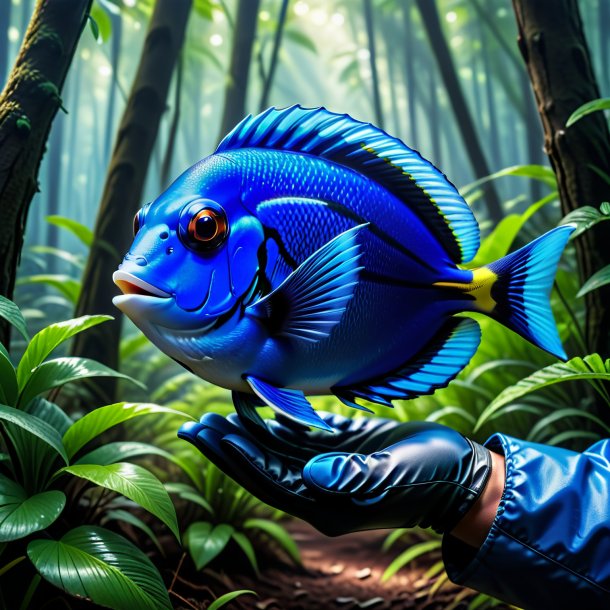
203, 225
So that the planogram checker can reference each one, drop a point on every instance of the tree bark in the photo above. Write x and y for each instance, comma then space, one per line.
125, 180
5, 22
241, 53
28, 105
277, 41
438, 44
370, 33
553, 45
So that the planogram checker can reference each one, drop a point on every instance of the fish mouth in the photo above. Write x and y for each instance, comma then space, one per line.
130, 284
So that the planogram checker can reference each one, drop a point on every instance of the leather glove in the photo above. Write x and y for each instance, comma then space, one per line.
372, 473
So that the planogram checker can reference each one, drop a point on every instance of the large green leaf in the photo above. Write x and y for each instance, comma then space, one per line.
65, 284
44, 342
21, 515
8, 378
36, 426
588, 108
205, 542
97, 564
597, 280
133, 482
12, 314
590, 368
586, 217
498, 242
278, 533
100, 420
126, 517
125, 450
246, 546
59, 371
535, 172
85, 234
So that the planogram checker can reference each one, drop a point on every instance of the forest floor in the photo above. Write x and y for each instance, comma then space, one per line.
341, 573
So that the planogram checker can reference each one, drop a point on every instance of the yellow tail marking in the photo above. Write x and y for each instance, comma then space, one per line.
483, 279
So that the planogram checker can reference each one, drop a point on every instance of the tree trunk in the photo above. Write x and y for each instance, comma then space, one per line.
166, 164
438, 44
5, 22
125, 180
277, 41
115, 56
370, 32
554, 48
410, 74
28, 105
237, 83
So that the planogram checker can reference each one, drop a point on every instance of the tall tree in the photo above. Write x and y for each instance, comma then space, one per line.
370, 33
5, 22
125, 180
553, 45
440, 48
277, 41
116, 19
236, 90
28, 105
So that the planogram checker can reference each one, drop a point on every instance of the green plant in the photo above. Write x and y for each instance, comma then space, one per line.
50, 479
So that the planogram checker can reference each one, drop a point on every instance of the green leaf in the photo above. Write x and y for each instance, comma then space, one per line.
103, 25
36, 426
409, 555
133, 482
586, 217
246, 546
44, 342
588, 108
278, 533
130, 346
590, 368
96, 422
83, 233
498, 242
228, 597
65, 284
597, 280
99, 565
301, 39
21, 515
12, 314
393, 537
8, 378
127, 517
64, 255
535, 172
205, 542
59, 371
544, 425
124, 450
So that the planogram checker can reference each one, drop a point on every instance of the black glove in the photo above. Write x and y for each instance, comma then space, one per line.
372, 473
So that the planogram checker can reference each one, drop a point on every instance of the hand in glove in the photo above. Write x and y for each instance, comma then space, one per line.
372, 473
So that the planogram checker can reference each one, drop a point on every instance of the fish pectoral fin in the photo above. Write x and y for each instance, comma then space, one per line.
313, 298
290, 402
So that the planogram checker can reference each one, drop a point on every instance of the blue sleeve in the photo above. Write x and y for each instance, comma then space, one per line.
549, 545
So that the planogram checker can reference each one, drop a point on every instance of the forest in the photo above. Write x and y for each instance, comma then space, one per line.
104, 104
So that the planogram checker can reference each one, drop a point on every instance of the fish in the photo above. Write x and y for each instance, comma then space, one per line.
314, 254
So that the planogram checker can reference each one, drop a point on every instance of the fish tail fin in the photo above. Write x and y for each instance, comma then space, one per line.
515, 289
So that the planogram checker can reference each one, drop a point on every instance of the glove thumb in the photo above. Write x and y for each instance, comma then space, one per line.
342, 473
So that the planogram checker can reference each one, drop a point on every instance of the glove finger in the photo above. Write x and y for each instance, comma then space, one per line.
207, 441
267, 477
217, 422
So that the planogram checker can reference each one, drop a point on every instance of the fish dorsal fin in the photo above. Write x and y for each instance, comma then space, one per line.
372, 152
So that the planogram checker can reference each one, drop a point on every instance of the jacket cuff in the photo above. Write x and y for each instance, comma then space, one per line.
548, 545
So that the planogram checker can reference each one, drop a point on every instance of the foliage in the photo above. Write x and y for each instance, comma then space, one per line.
45, 484
588, 108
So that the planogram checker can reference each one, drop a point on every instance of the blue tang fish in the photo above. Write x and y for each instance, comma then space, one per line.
315, 254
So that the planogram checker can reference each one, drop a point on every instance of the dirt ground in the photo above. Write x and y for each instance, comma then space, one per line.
341, 573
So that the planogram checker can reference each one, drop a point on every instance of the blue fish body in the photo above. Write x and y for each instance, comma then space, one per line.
314, 254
